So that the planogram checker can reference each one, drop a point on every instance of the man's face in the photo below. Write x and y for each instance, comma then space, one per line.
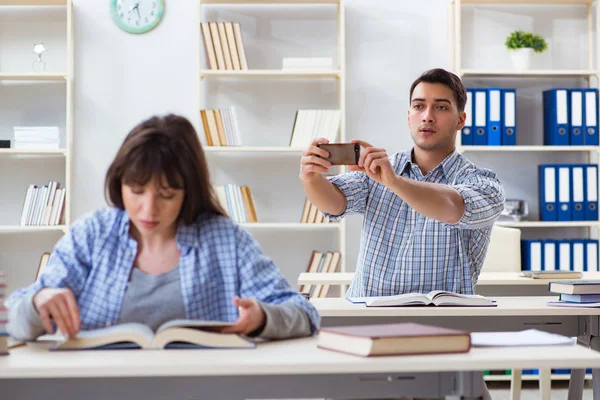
433, 118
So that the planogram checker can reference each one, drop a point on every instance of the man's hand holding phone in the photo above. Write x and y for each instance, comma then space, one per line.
375, 163
314, 160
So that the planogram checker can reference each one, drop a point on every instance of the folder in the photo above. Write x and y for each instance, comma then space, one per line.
591, 255
563, 255
590, 102
577, 192
480, 110
549, 255
556, 117
547, 192
563, 194
494, 115
532, 256
591, 192
576, 117
578, 250
466, 137
509, 117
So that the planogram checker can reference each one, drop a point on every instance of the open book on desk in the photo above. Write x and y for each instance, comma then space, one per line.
176, 334
433, 298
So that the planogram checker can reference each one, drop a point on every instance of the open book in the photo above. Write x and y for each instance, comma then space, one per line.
181, 334
433, 298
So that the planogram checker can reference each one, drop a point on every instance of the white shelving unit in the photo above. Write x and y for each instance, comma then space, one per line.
275, 76
22, 246
495, 77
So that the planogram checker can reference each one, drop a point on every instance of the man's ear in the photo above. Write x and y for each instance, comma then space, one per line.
462, 117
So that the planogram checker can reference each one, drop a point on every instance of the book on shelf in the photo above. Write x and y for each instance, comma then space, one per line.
43, 205
574, 287
176, 334
580, 298
36, 137
224, 46
394, 339
43, 261
321, 262
552, 274
238, 202
311, 124
433, 298
312, 215
221, 127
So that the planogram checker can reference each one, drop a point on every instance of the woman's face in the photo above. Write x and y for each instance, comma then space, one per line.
153, 208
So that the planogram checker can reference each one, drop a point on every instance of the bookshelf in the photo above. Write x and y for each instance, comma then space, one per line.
36, 99
265, 161
555, 70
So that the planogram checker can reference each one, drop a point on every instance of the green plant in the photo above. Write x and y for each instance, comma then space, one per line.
520, 39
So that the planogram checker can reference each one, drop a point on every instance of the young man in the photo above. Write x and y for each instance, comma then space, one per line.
428, 212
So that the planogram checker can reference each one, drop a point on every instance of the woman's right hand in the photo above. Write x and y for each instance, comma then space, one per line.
60, 306
314, 161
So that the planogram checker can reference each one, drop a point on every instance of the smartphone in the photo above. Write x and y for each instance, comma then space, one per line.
342, 153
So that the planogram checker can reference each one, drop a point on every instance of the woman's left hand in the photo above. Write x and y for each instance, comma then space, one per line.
250, 319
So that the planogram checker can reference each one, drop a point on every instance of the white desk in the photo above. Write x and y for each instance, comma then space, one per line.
287, 369
511, 314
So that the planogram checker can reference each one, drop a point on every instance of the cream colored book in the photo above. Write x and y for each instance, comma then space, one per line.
214, 32
239, 42
224, 45
208, 43
176, 334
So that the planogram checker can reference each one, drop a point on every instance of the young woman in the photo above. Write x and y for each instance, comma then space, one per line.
164, 250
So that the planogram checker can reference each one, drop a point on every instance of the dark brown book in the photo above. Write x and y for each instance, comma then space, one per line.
394, 339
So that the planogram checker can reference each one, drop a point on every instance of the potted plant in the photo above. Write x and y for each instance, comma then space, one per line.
522, 45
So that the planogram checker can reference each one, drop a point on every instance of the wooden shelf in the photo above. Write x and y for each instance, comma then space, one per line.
291, 226
528, 148
549, 224
527, 73
33, 77
271, 73
270, 2
42, 153
251, 149
31, 229
554, 377
33, 3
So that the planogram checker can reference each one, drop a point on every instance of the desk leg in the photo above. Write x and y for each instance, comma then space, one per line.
470, 385
516, 384
578, 375
545, 384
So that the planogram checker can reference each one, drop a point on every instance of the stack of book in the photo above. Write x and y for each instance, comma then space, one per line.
221, 127
311, 214
576, 293
43, 205
3, 316
224, 45
321, 262
237, 201
311, 124
36, 138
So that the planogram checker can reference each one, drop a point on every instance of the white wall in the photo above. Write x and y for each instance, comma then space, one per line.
122, 79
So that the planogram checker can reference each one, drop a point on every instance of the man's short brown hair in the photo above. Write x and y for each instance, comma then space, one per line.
439, 75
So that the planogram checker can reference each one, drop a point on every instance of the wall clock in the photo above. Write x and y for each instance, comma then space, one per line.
137, 16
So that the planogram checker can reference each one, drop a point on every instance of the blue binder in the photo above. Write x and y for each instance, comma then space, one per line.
466, 137
509, 117
549, 257
547, 192
578, 192
494, 116
563, 192
480, 110
578, 255
556, 117
576, 117
564, 256
591, 255
590, 103
532, 255
591, 192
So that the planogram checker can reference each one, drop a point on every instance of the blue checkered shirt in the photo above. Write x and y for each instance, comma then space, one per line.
218, 260
402, 251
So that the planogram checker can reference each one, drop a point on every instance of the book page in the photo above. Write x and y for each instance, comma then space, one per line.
195, 338
137, 333
529, 337
398, 300
191, 323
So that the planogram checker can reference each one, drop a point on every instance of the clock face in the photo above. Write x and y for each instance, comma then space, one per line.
137, 16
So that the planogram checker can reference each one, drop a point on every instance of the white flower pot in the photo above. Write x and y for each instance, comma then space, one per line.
521, 58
